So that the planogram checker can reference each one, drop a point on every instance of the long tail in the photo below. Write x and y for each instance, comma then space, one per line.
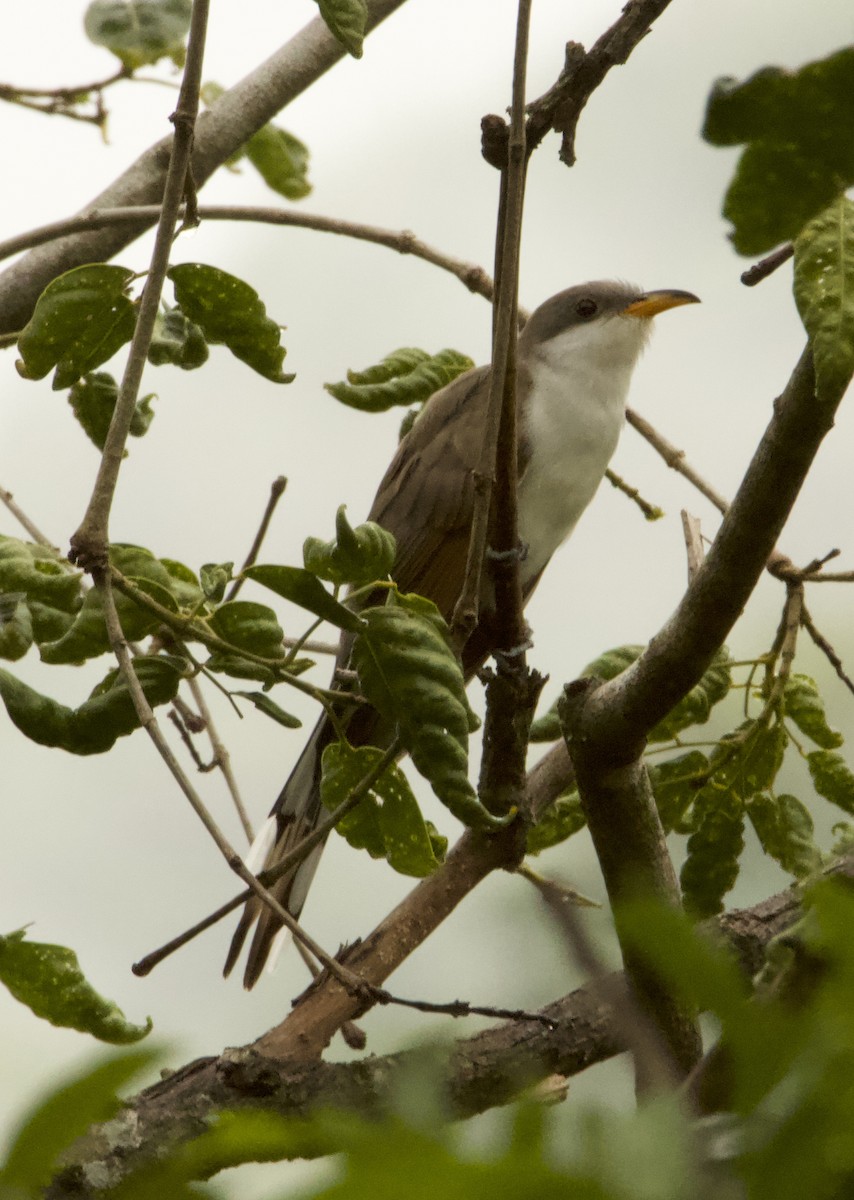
295, 814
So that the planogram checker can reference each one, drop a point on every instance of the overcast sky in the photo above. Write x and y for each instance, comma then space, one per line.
103, 854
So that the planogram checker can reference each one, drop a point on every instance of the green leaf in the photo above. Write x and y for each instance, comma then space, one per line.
40, 572
559, 822
281, 160
714, 848
405, 377
832, 778
675, 785
92, 728
39, 595
214, 579
48, 980
546, 728
80, 320
612, 662
693, 709
249, 626
409, 673
305, 589
65, 1115
271, 709
785, 830
177, 340
230, 313
747, 761
93, 401
696, 707
798, 154
357, 556
16, 626
346, 21
824, 294
804, 706
139, 32
387, 821
87, 636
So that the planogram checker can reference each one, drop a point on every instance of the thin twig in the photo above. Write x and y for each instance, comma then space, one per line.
826, 648
280, 868
653, 1060
277, 490
403, 241
693, 543
651, 512
149, 723
675, 458
89, 542
8, 91
222, 758
462, 1008
766, 266
23, 520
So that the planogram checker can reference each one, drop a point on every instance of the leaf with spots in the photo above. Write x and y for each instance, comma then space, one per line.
80, 320
49, 981
230, 313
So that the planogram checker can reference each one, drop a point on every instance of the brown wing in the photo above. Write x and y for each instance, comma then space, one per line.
426, 496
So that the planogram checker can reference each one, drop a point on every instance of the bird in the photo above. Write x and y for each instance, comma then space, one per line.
575, 359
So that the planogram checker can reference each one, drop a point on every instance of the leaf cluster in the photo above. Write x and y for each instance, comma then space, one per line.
708, 796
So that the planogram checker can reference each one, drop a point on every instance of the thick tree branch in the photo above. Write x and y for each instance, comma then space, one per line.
239, 113
620, 713
482, 1072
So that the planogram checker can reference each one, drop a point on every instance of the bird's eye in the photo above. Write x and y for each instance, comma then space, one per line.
587, 308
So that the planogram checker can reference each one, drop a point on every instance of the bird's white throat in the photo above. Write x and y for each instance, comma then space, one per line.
573, 417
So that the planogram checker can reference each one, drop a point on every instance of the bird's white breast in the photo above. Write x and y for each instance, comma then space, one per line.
573, 416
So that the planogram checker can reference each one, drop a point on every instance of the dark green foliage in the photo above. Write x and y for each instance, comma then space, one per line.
797, 158
93, 401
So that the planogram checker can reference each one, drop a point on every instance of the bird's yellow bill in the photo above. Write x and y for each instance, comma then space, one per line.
652, 303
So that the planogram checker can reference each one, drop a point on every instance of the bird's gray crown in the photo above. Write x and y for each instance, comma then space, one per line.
578, 305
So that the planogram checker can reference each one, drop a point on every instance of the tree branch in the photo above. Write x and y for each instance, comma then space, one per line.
222, 130
482, 1072
560, 108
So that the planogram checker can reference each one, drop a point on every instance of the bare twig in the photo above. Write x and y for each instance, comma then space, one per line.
23, 520
562, 105
495, 473
768, 265
222, 758
675, 458
403, 241
277, 490
284, 864
89, 542
652, 1059
651, 512
826, 648
693, 543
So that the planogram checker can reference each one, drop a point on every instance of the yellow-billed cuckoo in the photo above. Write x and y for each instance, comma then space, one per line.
575, 359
